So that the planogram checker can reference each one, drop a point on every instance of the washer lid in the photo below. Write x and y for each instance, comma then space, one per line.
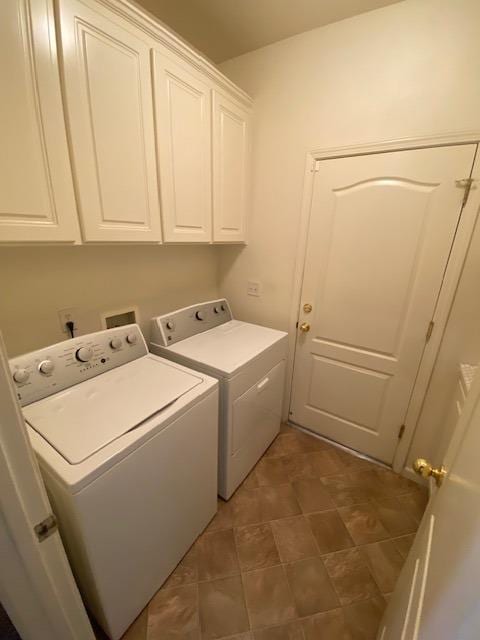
229, 346
79, 421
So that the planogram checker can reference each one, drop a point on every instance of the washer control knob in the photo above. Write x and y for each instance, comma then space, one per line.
46, 367
216, 309
200, 315
132, 338
84, 354
170, 325
115, 343
21, 376
223, 307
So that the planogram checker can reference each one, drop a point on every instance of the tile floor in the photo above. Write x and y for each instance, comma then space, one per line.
308, 548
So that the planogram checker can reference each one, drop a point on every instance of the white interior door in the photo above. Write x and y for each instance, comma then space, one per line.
436, 596
183, 122
381, 230
37, 588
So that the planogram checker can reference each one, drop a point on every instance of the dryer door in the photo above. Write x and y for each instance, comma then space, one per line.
257, 413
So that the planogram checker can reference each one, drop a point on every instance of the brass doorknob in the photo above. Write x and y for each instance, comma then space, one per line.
425, 469
305, 327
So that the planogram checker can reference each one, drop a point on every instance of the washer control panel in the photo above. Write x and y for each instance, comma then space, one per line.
184, 323
47, 371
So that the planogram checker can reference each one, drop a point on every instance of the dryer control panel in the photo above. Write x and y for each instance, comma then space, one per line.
47, 371
184, 323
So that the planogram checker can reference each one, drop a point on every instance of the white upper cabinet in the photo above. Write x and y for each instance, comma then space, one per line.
231, 149
110, 113
37, 202
183, 123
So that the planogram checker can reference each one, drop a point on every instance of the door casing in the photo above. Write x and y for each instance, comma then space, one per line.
450, 282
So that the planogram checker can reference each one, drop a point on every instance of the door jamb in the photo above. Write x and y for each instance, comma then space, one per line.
452, 273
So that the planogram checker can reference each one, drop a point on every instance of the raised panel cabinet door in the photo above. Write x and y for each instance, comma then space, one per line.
183, 124
37, 201
231, 156
110, 112
380, 234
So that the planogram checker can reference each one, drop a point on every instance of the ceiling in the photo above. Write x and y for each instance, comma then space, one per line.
223, 29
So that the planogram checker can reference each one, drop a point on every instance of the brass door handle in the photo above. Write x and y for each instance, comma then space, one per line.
305, 327
426, 470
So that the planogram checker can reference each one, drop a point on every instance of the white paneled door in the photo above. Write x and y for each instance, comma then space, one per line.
380, 234
183, 121
110, 112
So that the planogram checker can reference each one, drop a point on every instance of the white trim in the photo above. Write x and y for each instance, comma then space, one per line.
452, 274
37, 587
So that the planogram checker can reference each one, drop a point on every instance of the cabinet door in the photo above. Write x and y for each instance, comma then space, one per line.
37, 200
110, 111
231, 149
183, 119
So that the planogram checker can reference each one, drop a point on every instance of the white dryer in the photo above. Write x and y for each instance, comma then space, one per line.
249, 360
127, 445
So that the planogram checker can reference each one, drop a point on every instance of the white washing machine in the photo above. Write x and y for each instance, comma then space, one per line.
127, 445
249, 360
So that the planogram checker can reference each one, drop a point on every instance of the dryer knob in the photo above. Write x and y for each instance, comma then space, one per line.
46, 367
170, 325
200, 315
115, 343
132, 338
223, 307
21, 376
84, 354
216, 309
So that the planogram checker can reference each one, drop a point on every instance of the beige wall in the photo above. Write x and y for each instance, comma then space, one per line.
35, 282
402, 71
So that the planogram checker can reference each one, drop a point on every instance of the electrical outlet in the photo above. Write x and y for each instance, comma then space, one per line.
68, 315
254, 288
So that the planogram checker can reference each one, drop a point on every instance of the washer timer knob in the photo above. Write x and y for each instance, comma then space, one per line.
132, 338
170, 325
84, 354
200, 315
21, 376
46, 367
115, 343
216, 309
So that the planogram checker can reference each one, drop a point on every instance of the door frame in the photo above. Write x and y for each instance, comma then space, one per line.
450, 282
37, 587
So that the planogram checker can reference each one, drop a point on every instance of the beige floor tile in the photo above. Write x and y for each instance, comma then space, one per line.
326, 626
350, 575
276, 448
223, 519
251, 481
393, 483
414, 503
256, 547
404, 544
312, 495
186, 572
396, 520
268, 597
272, 471
222, 608
311, 587
217, 555
294, 538
363, 618
315, 464
385, 563
138, 630
278, 502
351, 462
329, 531
363, 523
245, 505
368, 481
289, 631
343, 490
173, 614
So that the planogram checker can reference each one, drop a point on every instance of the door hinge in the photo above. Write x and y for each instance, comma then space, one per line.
401, 432
45, 528
467, 184
428, 335
315, 166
